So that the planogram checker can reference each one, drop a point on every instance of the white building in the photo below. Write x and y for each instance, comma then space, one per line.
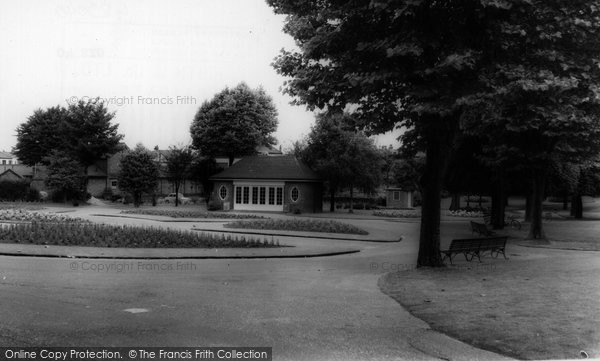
7, 158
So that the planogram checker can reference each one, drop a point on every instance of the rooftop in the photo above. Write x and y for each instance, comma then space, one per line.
285, 167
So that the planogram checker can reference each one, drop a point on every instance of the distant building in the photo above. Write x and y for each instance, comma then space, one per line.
398, 198
268, 183
223, 161
7, 158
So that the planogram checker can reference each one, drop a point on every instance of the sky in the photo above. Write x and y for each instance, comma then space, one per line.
152, 62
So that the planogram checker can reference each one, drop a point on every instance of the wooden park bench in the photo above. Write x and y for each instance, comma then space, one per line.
476, 247
481, 229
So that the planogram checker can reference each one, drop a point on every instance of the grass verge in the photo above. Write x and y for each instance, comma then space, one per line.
304, 225
100, 235
541, 304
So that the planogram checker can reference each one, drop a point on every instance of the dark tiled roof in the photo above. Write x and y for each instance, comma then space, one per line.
9, 171
20, 169
272, 168
6, 155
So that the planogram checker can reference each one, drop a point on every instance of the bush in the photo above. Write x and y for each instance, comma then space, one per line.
214, 205
13, 190
33, 195
127, 199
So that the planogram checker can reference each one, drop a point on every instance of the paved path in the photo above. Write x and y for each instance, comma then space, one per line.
327, 308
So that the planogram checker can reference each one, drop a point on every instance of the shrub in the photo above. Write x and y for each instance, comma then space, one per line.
13, 190
33, 195
306, 225
214, 205
100, 235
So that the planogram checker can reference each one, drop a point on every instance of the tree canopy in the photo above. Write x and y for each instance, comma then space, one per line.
138, 173
234, 123
65, 176
179, 161
343, 157
82, 132
426, 65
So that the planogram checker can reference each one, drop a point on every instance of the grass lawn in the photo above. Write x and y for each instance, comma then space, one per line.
304, 225
540, 304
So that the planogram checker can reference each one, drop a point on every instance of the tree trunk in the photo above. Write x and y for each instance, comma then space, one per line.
577, 206
455, 204
176, 193
528, 205
536, 230
498, 204
331, 199
351, 210
565, 201
429, 239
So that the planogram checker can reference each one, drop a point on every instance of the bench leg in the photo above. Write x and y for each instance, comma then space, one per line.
466, 254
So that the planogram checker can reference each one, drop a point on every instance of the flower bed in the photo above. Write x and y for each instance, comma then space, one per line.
100, 235
175, 213
305, 225
21, 205
465, 213
21, 215
397, 213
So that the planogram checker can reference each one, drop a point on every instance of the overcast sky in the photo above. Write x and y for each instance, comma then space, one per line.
154, 62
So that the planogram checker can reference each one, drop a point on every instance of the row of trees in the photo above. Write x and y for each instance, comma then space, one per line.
520, 75
69, 140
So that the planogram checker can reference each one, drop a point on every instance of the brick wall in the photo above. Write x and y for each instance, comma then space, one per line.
309, 197
227, 203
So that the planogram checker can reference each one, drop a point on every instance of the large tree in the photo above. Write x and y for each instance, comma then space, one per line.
395, 63
420, 63
345, 158
234, 123
65, 176
82, 132
542, 100
138, 173
178, 164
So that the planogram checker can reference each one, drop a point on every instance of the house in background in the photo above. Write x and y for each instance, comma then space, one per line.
398, 198
223, 161
267, 183
10, 175
7, 158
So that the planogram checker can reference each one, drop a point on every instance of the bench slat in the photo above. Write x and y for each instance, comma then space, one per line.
475, 246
